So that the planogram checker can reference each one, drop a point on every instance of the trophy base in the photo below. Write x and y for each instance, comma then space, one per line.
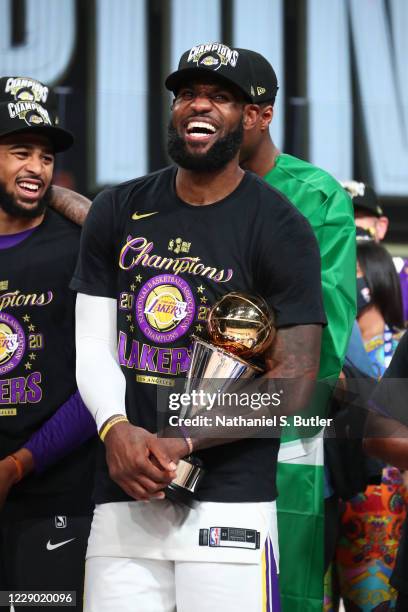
180, 495
188, 475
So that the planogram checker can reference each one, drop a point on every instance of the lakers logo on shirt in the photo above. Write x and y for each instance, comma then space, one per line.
12, 342
165, 308
8, 342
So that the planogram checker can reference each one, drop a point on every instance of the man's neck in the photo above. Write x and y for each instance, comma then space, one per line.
264, 158
203, 188
15, 225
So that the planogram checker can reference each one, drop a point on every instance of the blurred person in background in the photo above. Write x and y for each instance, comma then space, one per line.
369, 215
371, 521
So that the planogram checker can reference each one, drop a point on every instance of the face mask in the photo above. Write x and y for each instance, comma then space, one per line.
363, 295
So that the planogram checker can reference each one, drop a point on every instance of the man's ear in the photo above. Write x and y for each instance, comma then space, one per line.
266, 117
382, 227
251, 115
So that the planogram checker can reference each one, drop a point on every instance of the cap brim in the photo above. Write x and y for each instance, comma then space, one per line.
176, 79
60, 139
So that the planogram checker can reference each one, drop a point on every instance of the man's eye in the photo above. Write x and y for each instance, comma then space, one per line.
48, 159
20, 154
185, 95
220, 97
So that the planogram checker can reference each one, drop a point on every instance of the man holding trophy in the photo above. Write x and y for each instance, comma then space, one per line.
157, 254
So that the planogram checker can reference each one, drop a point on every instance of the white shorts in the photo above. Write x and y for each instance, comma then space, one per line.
161, 557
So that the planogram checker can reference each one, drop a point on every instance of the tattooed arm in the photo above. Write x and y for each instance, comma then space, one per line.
293, 360
70, 204
292, 365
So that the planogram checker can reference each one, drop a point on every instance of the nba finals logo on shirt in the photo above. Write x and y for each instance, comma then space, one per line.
213, 55
165, 308
26, 90
12, 343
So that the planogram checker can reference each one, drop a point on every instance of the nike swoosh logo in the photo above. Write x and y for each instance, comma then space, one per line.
54, 546
136, 216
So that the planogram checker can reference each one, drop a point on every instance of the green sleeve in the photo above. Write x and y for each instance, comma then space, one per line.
337, 240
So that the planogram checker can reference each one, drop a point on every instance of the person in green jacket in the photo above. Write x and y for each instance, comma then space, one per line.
328, 208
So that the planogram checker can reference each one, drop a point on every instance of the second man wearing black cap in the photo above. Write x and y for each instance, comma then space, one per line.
321, 199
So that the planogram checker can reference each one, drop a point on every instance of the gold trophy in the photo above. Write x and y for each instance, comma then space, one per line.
240, 327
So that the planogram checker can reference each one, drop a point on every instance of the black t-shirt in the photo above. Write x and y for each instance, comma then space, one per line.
167, 262
37, 352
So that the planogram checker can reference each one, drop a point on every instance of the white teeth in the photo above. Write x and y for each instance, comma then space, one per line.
29, 186
202, 125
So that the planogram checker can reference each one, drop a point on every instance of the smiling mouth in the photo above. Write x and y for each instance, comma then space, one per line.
30, 189
200, 131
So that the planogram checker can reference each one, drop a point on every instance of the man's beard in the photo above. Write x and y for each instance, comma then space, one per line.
222, 151
9, 204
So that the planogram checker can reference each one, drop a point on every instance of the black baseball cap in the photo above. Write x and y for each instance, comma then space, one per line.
26, 105
219, 60
363, 197
264, 79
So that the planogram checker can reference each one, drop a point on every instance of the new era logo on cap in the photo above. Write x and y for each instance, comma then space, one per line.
263, 76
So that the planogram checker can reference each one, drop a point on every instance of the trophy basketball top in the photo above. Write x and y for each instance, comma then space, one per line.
241, 324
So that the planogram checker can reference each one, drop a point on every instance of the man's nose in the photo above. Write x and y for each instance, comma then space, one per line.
201, 103
34, 164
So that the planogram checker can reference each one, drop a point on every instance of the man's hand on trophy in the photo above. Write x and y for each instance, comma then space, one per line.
138, 461
176, 448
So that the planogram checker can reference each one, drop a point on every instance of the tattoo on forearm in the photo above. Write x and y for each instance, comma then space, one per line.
295, 352
70, 204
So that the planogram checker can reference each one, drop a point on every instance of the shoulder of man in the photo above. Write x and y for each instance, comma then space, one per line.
290, 170
59, 222
141, 182
267, 192
111, 208
275, 204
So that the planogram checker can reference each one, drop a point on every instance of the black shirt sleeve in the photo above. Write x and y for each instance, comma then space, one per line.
95, 273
